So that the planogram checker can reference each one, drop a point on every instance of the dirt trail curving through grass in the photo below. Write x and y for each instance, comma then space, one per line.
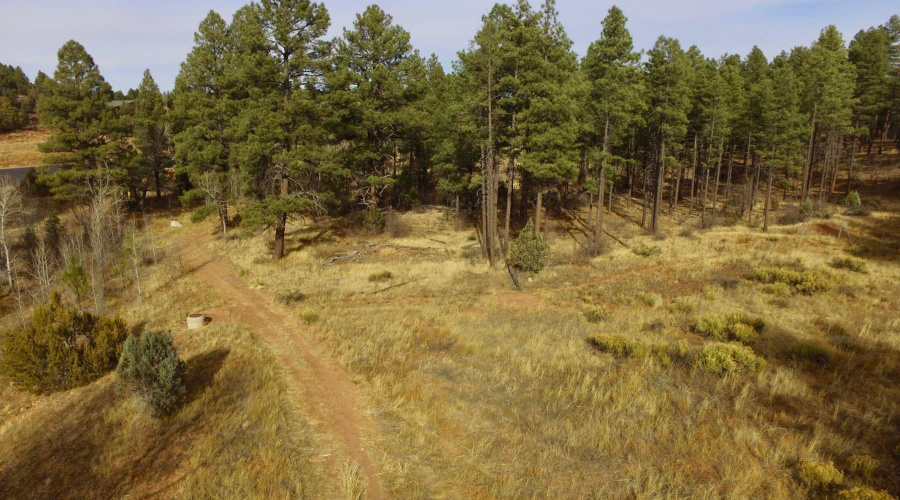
327, 391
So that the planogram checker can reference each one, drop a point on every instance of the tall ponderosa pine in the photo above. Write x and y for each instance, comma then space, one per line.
203, 114
612, 69
278, 62
372, 66
87, 134
151, 131
550, 122
480, 71
669, 98
828, 80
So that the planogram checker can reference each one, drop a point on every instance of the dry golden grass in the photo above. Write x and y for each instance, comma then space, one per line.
20, 149
485, 392
241, 433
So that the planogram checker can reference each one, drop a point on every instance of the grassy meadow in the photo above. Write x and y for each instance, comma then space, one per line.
603, 378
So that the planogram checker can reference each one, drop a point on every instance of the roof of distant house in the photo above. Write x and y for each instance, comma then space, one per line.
119, 103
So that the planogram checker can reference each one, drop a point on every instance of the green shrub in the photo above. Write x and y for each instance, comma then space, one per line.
806, 207
850, 264
595, 314
722, 359
645, 250
150, 367
853, 203
806, 283
529, 252
201, 213
863, 493
737, 327
862, 466
380, 276
811, 352
374, 220
61, 348
75, 277
819, 476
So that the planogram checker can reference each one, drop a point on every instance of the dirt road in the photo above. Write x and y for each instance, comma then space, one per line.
327, 391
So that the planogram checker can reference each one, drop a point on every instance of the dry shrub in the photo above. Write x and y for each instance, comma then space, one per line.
813, 352
621, 346
850, 264
805, 282
863, 493
724, 359
650, 299
737, 327
380, 277
819, 476
290, 297
645, 250
596, 314
862, 466
396, 226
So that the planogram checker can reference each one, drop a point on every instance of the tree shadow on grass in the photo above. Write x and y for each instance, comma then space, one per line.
85, 449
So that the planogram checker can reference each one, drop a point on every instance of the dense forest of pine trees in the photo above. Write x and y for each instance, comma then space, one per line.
267, 111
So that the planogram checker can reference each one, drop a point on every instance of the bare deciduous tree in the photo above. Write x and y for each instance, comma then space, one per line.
10, 211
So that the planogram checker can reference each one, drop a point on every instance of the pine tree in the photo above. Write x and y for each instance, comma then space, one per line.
151, 134
372, 64
870, 53
613, 74
278, 63
669, 98
784, 125
203, 114
828, 80
87, 136
549, 123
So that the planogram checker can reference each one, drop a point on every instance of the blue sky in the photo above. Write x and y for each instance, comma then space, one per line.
127, 36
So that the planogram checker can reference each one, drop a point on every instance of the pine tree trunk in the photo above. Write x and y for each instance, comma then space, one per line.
598, 227
718, 175
280, 225
693, 176
768, 199
807, 166
660, 179
537, 211
852, 158
510, 181
456, 225
728, 175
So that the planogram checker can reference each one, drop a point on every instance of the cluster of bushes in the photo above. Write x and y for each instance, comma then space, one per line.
61, 348
822, 478
805, 282
738, 327
728, 358
621, 346
529, 252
